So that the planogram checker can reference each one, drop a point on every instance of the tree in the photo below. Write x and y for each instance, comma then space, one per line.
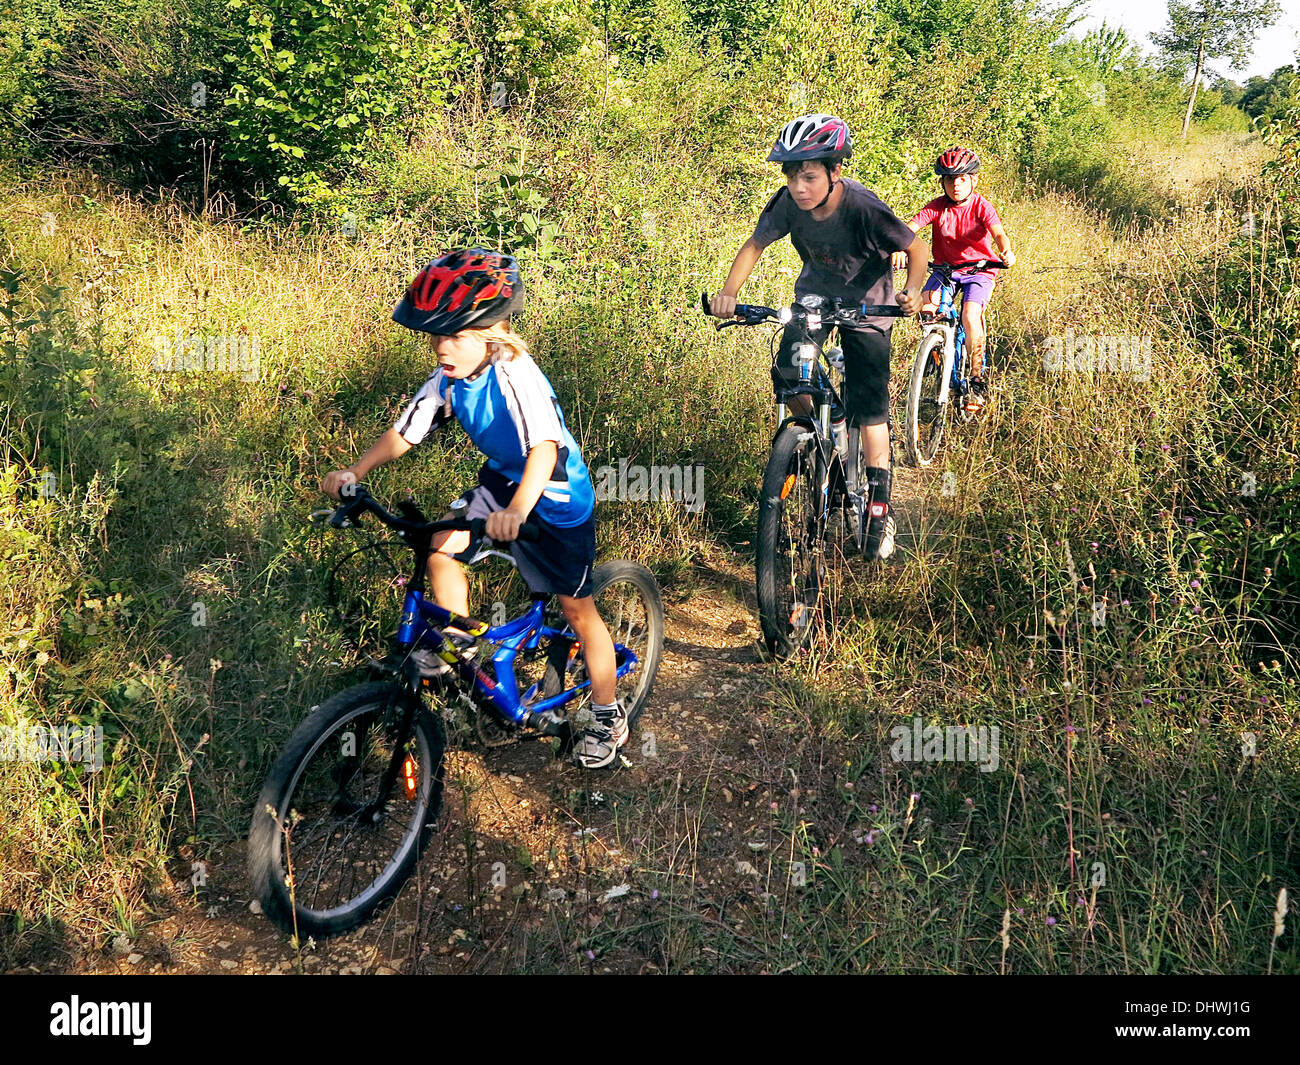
1219, 28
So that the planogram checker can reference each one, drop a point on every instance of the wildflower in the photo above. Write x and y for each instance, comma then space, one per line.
1196, 584
1051, 921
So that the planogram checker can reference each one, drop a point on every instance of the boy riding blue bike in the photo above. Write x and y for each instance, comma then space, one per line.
534, 473
845, 235
965, 226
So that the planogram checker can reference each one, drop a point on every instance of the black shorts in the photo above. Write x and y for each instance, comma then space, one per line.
560, 561
866, 370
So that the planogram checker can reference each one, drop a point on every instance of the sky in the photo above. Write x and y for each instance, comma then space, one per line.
1274, 47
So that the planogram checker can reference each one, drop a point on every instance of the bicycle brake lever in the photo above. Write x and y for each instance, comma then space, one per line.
319, 517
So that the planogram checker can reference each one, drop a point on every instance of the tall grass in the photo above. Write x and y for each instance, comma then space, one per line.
1122, 740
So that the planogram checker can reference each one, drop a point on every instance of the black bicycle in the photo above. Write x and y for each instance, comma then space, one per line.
814, 490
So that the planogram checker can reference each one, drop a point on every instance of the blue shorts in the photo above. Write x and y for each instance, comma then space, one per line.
560, 561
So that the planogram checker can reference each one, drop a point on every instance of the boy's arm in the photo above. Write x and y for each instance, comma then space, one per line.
390, 446
723, 304
899, 259
1003, 243
503, 525
918, 260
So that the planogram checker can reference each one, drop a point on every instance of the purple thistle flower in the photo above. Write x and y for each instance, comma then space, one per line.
1051, 921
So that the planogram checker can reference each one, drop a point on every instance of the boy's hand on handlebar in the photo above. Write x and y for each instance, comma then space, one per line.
909, 300
503, 525
332, 483
723, 306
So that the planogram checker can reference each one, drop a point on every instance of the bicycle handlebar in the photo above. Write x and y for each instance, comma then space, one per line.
755, 314
946, 269
359, 501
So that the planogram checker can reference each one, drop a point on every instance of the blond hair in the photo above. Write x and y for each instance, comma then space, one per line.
503, 342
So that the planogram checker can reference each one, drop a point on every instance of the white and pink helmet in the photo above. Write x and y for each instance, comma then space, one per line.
812, 137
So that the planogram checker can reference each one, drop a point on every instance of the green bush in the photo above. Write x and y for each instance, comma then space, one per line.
314, 85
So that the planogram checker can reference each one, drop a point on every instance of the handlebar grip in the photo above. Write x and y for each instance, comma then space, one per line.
704, 303
352, 502
478, 531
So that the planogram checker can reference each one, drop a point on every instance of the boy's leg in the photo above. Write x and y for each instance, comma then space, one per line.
975, 292
446, 575
597, 646
866, 397
972, 320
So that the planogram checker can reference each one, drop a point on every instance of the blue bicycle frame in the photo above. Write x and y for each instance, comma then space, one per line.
422, 622
948, 309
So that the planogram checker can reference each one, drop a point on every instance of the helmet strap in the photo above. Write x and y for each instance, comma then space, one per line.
827, 196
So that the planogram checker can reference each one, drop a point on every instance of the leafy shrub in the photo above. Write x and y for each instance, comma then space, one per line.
313, 85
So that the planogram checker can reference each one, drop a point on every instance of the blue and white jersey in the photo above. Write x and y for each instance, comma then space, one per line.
508, 411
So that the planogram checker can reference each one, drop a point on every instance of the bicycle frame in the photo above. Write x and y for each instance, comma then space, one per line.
954, 339
422, 623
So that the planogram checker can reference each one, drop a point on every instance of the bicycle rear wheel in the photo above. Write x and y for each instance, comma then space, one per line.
327, 848
791, 565
627, 598
926, 416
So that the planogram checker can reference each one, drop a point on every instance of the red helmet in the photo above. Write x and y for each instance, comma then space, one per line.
467, 289
957, 161
812, 137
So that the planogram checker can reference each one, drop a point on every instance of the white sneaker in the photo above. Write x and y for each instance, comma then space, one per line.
598, 744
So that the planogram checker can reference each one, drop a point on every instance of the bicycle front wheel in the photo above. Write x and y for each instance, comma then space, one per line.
333, 839
926, 416
791, 564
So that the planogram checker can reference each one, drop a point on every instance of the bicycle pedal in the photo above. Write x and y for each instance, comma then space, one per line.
428, 665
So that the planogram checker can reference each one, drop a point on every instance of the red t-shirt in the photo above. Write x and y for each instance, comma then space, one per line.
962, 231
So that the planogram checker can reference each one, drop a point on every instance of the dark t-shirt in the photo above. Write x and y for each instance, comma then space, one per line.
847, 255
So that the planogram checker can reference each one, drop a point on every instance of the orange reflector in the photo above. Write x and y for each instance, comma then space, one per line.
796, 615
789, 484
408, 774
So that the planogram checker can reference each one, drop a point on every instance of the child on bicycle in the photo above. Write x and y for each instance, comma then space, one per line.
487, 381
965, 227
845, 236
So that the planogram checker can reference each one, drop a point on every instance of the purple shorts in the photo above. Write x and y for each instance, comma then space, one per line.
975, 288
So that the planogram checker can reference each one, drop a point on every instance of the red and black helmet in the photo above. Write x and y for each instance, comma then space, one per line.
957, 161
812, 137
467, 289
